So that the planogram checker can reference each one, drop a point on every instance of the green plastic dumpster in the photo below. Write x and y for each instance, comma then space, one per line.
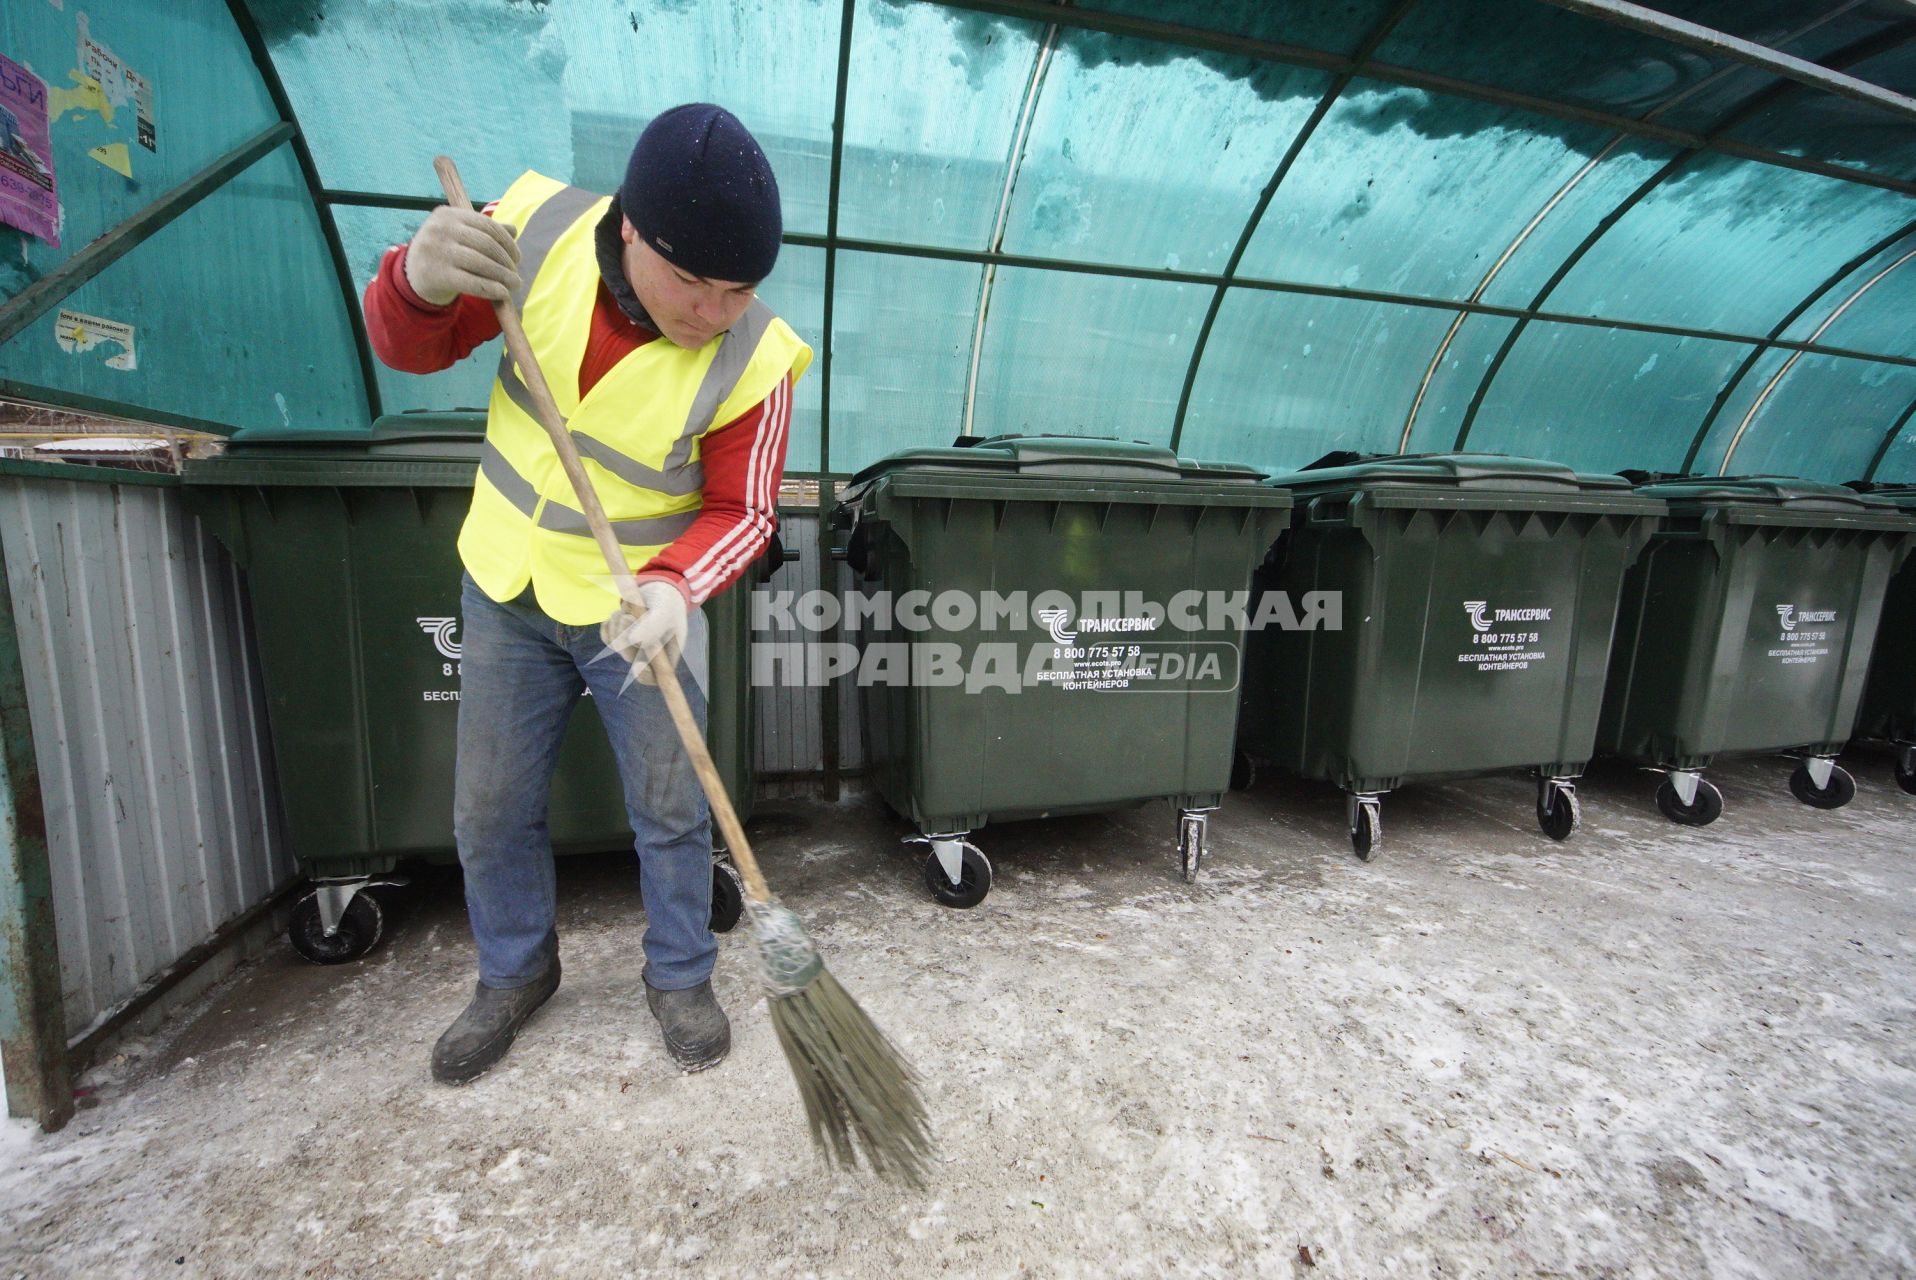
1889, 696
1478, 599
1747, 627
1052, 632
348, 543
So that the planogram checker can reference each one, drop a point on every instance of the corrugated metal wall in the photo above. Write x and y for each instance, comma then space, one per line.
791, 723
149, 727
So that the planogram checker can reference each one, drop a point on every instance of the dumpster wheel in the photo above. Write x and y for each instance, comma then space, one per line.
728, 897
1243, 771
1701, 812
1906, 769
1838, 791
974, 874
1366, 820
1558, 811
358, 932
1192, 827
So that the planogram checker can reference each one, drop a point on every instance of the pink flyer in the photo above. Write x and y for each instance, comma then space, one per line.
27, 196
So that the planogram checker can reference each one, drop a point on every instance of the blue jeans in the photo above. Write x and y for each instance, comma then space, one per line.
521, 676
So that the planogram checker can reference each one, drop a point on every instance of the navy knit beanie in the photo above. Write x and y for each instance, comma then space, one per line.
700, 191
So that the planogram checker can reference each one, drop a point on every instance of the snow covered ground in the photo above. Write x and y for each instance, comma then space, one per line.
1650, 1051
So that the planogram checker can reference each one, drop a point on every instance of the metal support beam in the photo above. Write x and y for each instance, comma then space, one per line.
1298, 56
943, 254
1721, 44
335, 248
1324, 104
50, 289
831, 236
379, 200
33, 1043
1889, 439
1013, 163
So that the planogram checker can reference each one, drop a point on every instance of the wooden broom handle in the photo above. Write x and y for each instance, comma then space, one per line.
661, 666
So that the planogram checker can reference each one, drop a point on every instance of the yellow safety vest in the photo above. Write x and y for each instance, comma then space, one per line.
638, 431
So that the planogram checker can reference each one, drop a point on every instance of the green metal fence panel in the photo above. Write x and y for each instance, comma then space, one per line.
1602, 400
927, 150
564, 89
901, 349
366, 235
235, 311
1287, 379
1075, 354
1824, 421
203, 98
1147, 155
1726, 245
1404, 191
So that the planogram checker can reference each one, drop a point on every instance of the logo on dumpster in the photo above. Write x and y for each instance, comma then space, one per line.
1476, 610
1787, 612
1054, 622
441, 629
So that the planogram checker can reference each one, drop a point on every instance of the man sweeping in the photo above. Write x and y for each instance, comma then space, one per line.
676, 383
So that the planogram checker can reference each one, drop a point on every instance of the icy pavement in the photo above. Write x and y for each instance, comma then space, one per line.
1649, 1051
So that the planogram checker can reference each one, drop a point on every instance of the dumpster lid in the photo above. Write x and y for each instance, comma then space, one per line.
436, 448
1470, 471
411, 437
1900, 493
1767, 491
1076, 457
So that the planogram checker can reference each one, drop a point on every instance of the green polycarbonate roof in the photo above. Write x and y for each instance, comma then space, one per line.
1237, 230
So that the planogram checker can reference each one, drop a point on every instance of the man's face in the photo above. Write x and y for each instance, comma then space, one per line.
689, 310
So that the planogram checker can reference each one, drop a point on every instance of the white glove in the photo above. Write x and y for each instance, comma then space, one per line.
663, 626
459, 251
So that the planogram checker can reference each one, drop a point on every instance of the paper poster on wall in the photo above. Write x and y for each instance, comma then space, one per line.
76, 331
115, 156
143, 110
107, 70
28, 198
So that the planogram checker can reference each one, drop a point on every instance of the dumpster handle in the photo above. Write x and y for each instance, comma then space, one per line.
662, 666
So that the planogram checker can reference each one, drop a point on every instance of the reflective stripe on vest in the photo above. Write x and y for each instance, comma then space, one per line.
638, 428
559, 518
681, 474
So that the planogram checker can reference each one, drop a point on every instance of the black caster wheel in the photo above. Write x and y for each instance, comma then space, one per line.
1707, 808
1558, 812
1840, 791
1192, 840
1366, 831
728, 898
1906, 773
1243, 771
358, 933
974, 879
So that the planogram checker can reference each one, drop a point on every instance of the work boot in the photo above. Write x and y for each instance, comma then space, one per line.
481, 1035
697, 1034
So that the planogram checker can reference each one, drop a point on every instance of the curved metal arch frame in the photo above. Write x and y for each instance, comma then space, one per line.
1868, 47
1014, 165
1770, 342
1359, 59
1769, 388
1410, 77
1889, 440
322, 208
1562, 192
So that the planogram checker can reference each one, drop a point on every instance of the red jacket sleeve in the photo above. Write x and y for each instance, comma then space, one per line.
413, 336
744, 461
